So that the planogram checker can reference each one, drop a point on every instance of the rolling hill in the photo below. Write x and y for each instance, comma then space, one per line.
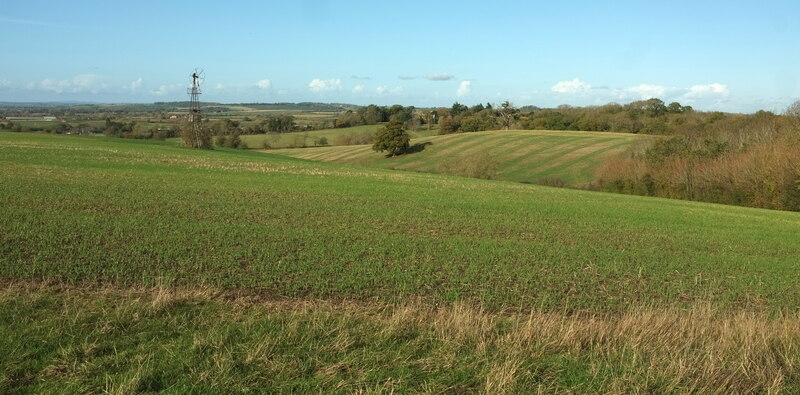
521, 156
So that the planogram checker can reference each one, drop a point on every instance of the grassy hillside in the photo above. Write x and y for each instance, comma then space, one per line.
522, 156
104, 210
142, 266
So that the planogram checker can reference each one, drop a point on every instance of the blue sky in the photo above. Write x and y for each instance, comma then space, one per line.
715, 55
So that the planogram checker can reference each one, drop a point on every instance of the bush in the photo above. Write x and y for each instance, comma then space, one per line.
551, 182
232, 141
448, 125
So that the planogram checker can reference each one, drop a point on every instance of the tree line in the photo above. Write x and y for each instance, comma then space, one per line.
746, 160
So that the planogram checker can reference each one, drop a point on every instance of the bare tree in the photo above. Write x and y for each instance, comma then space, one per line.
508, 114
793, 111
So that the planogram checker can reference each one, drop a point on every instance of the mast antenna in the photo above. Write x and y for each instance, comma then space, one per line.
195, 115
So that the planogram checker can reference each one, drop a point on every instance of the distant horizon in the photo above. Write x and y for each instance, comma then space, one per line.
469, 104
715, 56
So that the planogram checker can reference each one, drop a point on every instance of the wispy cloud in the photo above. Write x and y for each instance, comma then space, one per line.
429, 77
29, 22
360, 77
82, 83
439, 77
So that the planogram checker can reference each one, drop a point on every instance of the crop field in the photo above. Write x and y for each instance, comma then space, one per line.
522, 156
142, 266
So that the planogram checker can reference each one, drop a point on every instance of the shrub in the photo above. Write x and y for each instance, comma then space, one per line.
551, 182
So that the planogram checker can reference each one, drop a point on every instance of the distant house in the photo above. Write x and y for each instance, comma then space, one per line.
173, 117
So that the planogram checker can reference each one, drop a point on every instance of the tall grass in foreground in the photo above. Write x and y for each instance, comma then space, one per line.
123, 340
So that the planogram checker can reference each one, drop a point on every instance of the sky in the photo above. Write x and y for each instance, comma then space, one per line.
734, 56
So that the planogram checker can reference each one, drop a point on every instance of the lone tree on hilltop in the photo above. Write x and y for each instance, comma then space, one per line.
508, 114
392, 138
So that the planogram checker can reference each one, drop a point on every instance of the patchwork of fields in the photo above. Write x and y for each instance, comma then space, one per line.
142, 266
522, 156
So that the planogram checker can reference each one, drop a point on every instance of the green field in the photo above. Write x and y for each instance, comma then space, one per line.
142, 266
522, 156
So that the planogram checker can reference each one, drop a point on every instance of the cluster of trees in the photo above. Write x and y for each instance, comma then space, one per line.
460, 118
273, 124
137, 130
372, 114
651, 116
748, 160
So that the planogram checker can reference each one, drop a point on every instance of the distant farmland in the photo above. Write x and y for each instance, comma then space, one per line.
522, 156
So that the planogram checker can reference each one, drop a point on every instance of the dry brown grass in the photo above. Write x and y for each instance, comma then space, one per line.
698, 349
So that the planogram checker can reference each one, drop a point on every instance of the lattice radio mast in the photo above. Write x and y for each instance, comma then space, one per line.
195, 116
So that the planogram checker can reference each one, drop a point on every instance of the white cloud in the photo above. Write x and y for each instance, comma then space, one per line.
5, 84
79, 84
319, 85
358, 89
439, 77
85, 82
383, 90
264, 84
166, 89
647, 91
135, 85
715, 89
51, 85
464, 88
573, 86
